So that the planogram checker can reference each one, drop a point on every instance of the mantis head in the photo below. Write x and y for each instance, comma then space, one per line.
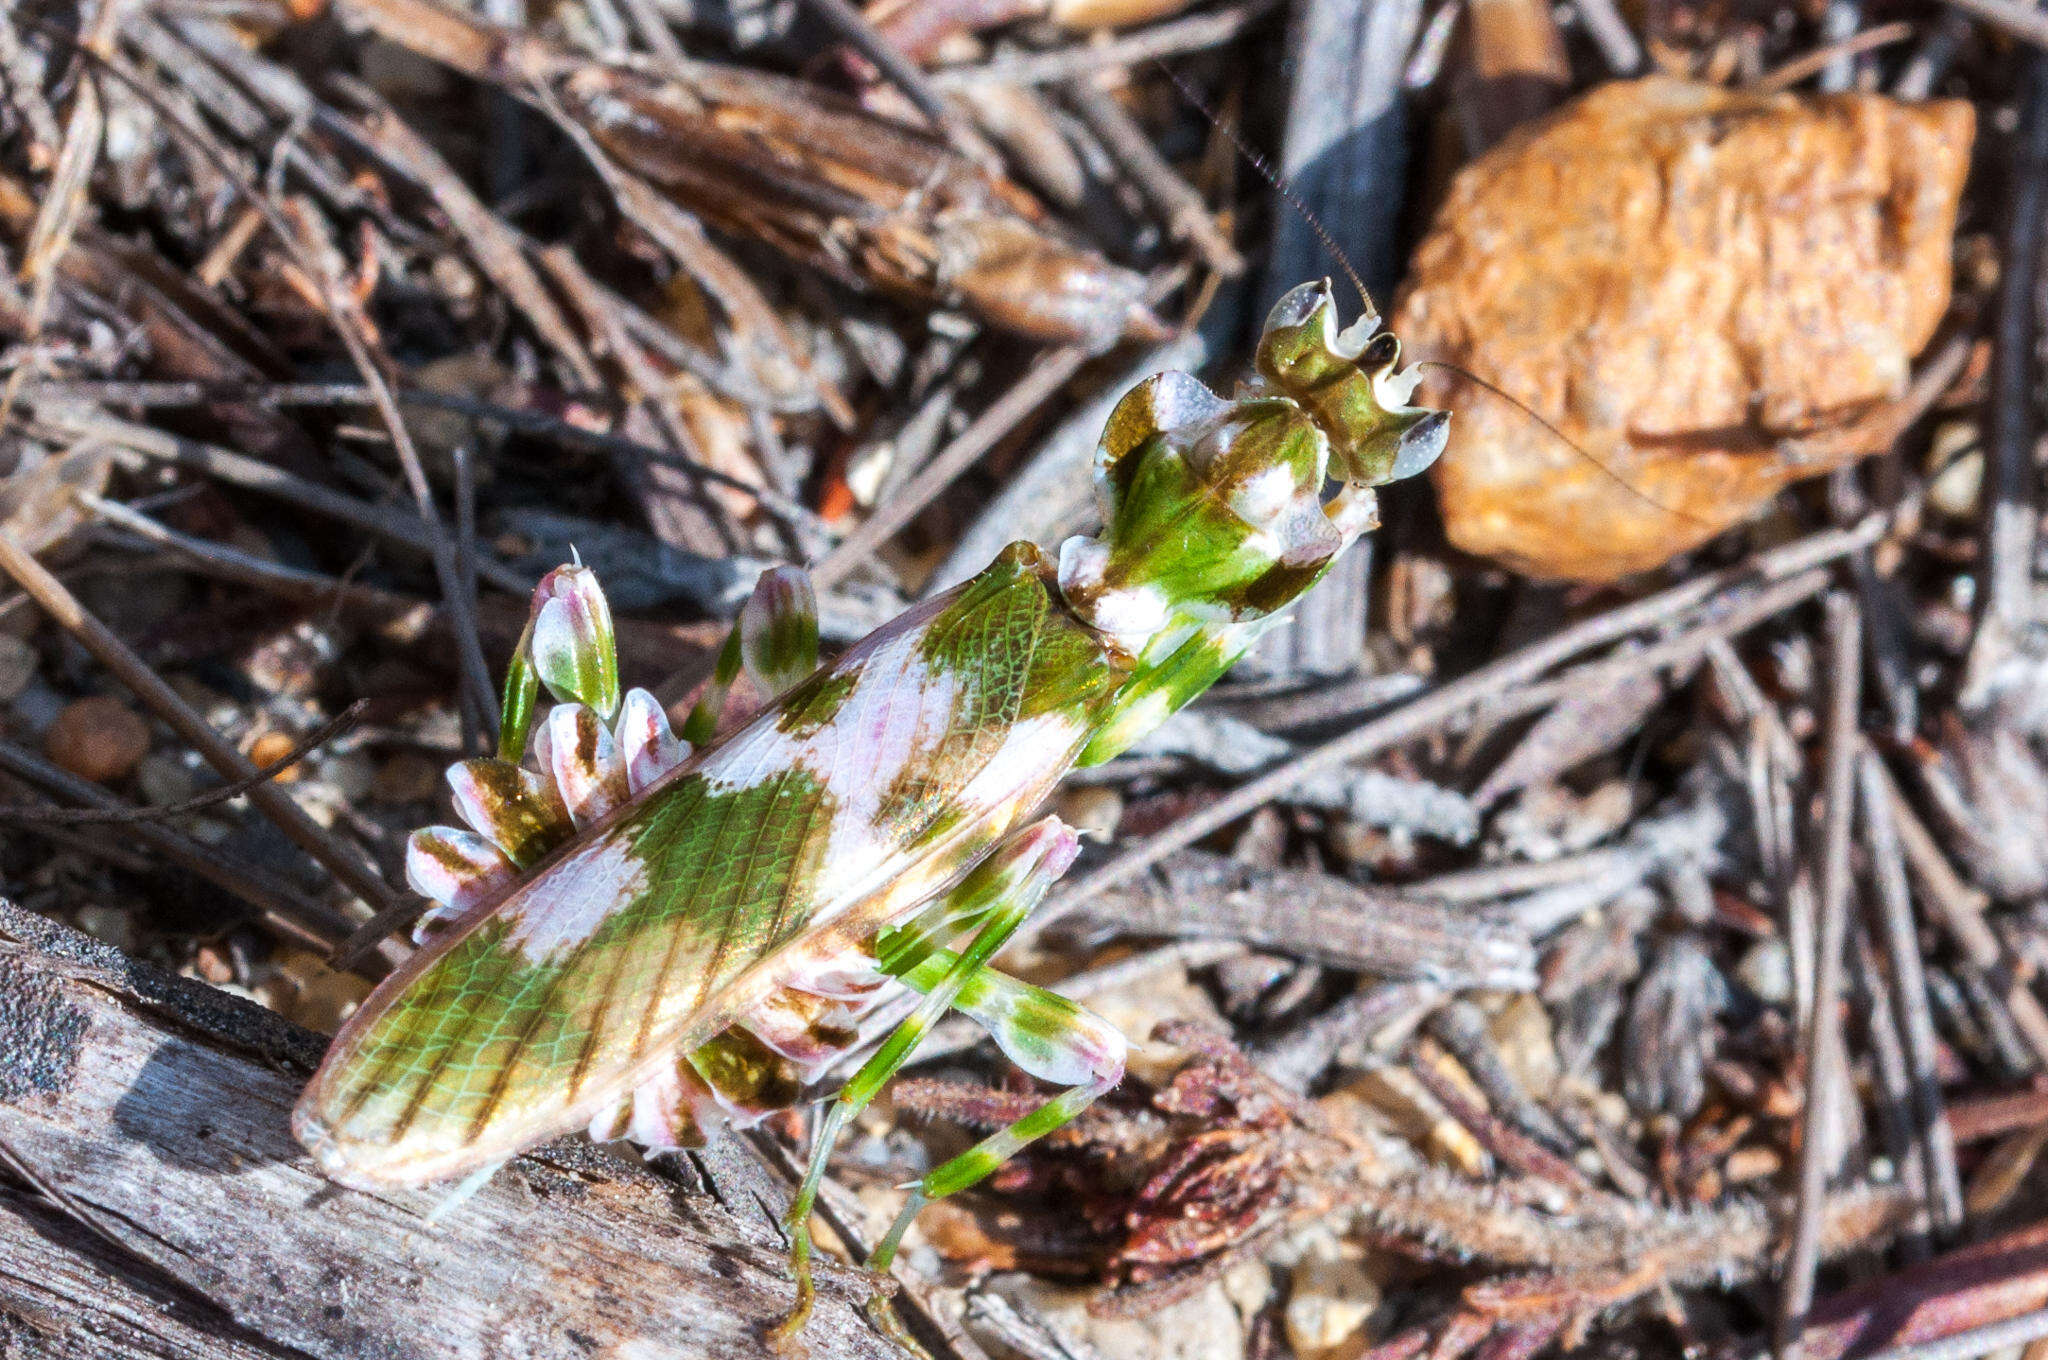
1219, 513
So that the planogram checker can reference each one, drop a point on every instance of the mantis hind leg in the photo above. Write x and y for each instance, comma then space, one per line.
991, 902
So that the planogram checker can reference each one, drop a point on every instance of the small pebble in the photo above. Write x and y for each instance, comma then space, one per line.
1146, 1003
1202, 1326
406, 778
270, 748
108, 924
1766, 969
1092, 811
1331, 1298
322, 998
1355, 842
1522, 1029
1400, 1098
351, 775
209, 830
137, 602
35, 709
17, 667
1249, 1285
214, 963
164, 778
1753, 1162
100, 738
1955, 462
275, 994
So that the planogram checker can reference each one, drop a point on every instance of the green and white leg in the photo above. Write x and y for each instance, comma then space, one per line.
987, 906
1054, 1039
772, 646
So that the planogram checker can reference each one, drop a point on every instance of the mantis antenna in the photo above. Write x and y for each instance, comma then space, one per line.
1328, 241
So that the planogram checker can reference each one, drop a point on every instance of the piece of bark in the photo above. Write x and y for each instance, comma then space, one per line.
159, 1107
1314, 916
67, 1295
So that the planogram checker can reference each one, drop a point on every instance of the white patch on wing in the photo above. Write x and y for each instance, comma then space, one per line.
566, 905
895, 716
891, 724
1023, 769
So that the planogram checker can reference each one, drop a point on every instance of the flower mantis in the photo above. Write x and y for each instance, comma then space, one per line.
641, 934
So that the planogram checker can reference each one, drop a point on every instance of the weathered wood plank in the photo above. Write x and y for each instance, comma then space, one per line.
64, 1295
160, 1106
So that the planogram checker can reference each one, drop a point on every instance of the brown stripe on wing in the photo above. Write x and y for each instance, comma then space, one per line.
594, 1032
414, 1013
683, 922
539, 1012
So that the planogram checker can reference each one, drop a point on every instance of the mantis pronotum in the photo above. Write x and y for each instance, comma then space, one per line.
642, 933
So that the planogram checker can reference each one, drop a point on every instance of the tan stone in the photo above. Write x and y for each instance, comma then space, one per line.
1678, 277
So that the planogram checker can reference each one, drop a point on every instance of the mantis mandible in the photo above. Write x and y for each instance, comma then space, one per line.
641, 934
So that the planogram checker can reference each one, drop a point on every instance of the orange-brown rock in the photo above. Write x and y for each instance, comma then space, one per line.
1703, 289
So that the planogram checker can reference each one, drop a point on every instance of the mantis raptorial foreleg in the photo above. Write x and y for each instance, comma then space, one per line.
988, 906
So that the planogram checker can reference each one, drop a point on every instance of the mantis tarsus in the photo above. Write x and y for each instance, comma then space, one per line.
644, 933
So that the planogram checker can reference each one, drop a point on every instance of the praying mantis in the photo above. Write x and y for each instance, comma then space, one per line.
644, 934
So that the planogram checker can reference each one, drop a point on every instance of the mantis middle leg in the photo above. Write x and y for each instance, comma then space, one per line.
987, 906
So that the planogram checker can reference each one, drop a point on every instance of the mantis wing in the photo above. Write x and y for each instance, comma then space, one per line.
874, 783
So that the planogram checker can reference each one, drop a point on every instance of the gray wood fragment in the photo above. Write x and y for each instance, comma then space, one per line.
1346, 157
1314, 916
159, 1106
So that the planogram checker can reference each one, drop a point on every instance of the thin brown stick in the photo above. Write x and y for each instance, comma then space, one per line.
1045, 377
285, 912
497, 249
306, 745
1188, 217
1991, 1339
1960, 910
1893, 901
1891, 1085
476, 739
905, 74
1612, 35
1673, 653
1438, 706
1195, 33
62, 606
2024, 22
348, 326
1826, 1061
153, 394
1811, 63
97, 845
2009, 527
394, 524
63, 206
